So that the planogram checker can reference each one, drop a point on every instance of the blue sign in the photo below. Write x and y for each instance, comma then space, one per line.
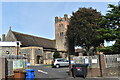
72, 62
86, 61
28, 64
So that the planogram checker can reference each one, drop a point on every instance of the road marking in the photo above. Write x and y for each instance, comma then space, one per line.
42, 71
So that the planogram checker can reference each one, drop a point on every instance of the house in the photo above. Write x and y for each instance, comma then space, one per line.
38, 50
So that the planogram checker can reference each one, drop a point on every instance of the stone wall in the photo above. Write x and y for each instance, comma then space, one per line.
8, 50
2, 68
31, 53
93, 72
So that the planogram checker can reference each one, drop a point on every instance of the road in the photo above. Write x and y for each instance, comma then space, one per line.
48, 73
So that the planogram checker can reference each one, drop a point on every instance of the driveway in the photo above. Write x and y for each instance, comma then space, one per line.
44, 72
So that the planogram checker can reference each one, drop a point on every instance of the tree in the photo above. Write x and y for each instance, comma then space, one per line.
82, 30
56, 54
110, 29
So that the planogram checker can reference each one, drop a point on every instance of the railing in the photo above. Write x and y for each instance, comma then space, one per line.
92, 60
112, 60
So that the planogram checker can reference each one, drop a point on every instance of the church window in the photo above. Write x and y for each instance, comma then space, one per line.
61, 34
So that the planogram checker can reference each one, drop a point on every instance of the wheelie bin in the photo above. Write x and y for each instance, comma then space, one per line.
19, 74
79, 70
30, 74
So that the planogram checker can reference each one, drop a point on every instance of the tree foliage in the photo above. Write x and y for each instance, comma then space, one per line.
56, 54
110, 29
82, 30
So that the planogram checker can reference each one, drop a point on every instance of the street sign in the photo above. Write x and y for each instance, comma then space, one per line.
86, 61
94, 60
118, 59
28, 64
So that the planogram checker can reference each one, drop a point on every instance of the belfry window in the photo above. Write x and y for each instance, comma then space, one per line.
61, 34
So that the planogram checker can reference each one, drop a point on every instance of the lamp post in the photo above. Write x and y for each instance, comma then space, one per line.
17, 49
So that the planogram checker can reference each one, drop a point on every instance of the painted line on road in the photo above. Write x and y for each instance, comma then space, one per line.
42, 71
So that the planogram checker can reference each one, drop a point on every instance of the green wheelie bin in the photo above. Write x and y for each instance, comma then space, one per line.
79, 70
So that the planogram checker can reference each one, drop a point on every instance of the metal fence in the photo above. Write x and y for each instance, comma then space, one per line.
93, 61
112, 65
112, 60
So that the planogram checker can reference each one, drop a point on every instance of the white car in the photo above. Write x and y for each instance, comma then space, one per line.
59, 62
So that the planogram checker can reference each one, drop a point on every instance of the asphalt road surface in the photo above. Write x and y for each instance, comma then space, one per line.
48, 73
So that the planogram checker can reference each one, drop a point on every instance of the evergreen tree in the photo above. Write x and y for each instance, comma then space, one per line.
110, 29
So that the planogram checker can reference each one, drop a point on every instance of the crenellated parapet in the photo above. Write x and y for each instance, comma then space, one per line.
59, 19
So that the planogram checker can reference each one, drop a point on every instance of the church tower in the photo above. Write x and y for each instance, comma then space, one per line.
60, 32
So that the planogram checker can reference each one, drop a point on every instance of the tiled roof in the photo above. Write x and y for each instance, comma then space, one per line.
29, 40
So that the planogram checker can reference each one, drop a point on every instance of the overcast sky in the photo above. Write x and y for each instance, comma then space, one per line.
37, 18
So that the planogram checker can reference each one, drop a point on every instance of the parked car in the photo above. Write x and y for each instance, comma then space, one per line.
60, 62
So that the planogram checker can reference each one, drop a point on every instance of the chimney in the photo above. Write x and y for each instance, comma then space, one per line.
56, 19
3, 37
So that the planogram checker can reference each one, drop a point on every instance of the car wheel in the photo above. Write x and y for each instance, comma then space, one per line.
57, 66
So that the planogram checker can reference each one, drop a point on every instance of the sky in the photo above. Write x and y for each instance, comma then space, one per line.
37, 18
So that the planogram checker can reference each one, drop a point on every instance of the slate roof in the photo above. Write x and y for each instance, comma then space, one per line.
29, 40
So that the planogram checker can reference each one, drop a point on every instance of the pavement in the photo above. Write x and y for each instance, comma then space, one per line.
46, 72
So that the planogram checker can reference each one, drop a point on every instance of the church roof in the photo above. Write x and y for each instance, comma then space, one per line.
30, 40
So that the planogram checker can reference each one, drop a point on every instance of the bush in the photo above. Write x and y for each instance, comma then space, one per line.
56, 55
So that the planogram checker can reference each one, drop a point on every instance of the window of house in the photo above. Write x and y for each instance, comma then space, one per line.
49, 55
61, 25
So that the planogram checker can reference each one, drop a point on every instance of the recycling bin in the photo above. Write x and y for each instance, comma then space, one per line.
30, 74
19, 74
79, 70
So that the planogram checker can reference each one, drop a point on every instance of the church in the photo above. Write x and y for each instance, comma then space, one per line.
40, 50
